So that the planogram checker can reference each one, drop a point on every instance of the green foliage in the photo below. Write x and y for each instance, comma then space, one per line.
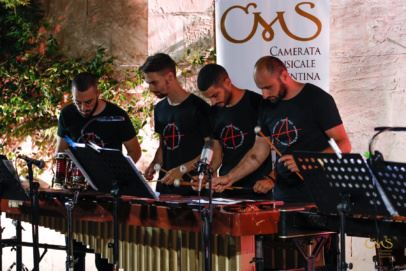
34, 90
134, 97
14, 3
194, 59
19, 27
35, 79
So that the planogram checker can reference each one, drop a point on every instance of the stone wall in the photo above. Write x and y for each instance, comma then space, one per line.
131, 30
368, 70
119, 26
174, 26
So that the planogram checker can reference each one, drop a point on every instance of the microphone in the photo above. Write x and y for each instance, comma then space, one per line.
205, 157
39, 163
204, 163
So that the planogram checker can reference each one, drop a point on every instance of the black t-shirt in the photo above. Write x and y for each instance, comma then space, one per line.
103, 133
234, 128
182, 129
298, 124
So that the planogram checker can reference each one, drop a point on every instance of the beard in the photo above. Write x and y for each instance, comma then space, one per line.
283, 89
227, 100
89, 113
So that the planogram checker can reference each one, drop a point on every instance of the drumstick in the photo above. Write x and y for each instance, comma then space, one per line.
178, 183
182, 169
258, 131
157, 168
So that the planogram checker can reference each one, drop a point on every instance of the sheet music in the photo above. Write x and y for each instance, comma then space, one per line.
140, 176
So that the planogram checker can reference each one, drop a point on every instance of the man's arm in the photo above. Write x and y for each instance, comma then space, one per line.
176, 173
158, 159
265, 185
61, 144
133, 148
217, 156
337, 133
340, 136
250, 162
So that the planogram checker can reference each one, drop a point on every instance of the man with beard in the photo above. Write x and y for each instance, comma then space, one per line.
181, 120
78, 122
296, 117
234, 115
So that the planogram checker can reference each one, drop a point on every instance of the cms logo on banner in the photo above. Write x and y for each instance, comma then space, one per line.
268, 33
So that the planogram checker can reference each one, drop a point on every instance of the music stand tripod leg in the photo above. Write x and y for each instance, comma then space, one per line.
343, 208
1, 246
116, 201
259, 253
35, 215
19, 253
207, 217
69, 205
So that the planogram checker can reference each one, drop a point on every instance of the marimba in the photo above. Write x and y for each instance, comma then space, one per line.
158, 235
166, 234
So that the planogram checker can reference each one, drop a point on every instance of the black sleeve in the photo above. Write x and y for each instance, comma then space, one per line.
127, 129
62, 130
157, 125
326, 112
262, 116
255, 99
203, 118
213, 114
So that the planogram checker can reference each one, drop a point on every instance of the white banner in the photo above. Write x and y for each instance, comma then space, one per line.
295, 31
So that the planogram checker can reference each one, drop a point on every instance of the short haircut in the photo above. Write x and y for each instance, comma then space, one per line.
159, 62
83, 81
271, 64
210, 75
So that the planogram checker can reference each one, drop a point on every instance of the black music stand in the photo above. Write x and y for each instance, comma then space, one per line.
10, 188
392, 177
108, 170
10, 185
343, 186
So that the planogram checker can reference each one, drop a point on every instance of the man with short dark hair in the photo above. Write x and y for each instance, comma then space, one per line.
296, 117
87, 105
78, 121
234, 115
181, 120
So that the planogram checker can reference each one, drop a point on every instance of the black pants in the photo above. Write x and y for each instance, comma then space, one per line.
102, 264
80, 254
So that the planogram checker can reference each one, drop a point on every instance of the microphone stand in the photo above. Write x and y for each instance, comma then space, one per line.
207, 217
69, 205
35, 215
115, 192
